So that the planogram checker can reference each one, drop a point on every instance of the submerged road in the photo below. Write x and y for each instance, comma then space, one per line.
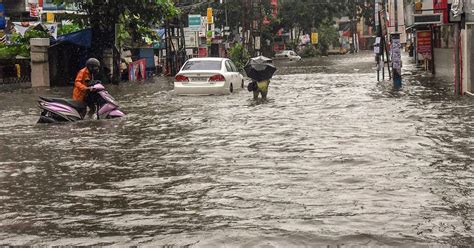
333, 158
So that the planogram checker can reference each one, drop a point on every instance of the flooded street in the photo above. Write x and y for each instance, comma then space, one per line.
333, 158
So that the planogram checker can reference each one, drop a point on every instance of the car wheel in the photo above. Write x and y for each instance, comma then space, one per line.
231, 88
242, 85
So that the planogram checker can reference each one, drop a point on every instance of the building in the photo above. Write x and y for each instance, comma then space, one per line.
16, 10
443, 42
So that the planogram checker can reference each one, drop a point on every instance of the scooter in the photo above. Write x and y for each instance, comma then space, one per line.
56, 110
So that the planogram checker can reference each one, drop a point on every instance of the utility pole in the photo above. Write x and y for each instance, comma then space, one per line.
396, 15
225, 12
457, 60
352, 26
396, 51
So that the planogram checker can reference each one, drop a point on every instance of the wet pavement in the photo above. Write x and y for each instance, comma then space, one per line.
333, 158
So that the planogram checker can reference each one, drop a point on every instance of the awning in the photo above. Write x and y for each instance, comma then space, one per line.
81, 38
418, 27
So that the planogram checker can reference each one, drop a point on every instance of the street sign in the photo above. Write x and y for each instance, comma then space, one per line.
209, 16
190, 38
314, 38
194, 22
377, 45
203, 29
258, 45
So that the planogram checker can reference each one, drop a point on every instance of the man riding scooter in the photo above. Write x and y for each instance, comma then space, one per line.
82, 90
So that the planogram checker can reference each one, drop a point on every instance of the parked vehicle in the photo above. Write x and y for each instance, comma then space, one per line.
288, 54
208, 76
63, 110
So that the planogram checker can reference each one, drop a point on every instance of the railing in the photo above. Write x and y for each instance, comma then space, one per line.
15, 71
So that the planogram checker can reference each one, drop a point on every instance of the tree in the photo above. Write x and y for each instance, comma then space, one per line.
103, 15
240, 13
328, 35
135, 17
309, 14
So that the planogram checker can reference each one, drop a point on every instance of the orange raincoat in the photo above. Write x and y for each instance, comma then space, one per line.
80, 85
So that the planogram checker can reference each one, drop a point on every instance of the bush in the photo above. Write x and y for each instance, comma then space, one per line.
20, 44
68, 28
309, 51
8, 52
239, 55
328, 35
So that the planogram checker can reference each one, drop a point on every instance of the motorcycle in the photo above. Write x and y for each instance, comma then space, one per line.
56, 110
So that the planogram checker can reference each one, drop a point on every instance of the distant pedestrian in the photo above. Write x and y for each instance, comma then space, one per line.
411, 49
260, 69
260, 88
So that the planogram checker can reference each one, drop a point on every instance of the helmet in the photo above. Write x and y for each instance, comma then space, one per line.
92, 62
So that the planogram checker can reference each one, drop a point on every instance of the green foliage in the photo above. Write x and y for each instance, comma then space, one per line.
68, 28
21, 44
239, 55
309, 51
34, 34
9, 52
327, 35
135, 17
309, 14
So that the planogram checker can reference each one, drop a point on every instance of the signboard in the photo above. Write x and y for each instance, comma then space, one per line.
258, 45
202, 52
49, 17
34, 12
423, 44
428, 18
194, 22
137, 70
203, 29
396, 52
377, 45
2, 16
53, 29
452, 18
209, 16
314, 38
190, 37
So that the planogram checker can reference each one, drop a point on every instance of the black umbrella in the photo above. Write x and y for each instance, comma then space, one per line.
261, 60
259, 68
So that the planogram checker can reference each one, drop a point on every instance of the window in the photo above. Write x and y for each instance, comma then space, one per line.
233, 66
202, 65
228, 66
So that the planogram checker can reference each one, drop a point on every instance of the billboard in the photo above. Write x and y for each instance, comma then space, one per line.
423, 44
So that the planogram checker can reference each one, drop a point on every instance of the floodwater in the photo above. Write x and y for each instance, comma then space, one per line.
332, 159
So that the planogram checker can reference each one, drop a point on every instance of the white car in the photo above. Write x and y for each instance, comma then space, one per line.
288, 54
208, 76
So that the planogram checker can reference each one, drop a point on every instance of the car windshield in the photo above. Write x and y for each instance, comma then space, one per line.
202, 65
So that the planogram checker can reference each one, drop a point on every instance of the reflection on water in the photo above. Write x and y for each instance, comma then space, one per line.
332, 158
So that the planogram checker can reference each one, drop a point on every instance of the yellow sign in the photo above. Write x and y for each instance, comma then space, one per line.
418, 7
314, 38
209, 16
49, 17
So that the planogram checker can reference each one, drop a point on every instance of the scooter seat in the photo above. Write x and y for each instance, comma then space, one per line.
75, 104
